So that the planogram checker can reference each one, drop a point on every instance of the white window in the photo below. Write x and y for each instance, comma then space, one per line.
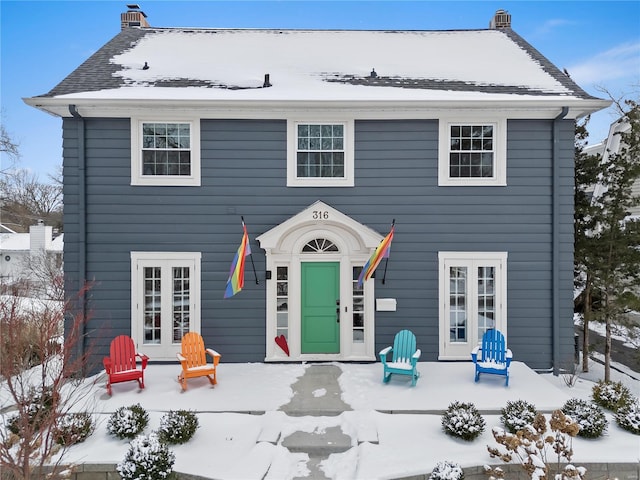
320, 153
472, 153
473, 297
165, 152
165, 300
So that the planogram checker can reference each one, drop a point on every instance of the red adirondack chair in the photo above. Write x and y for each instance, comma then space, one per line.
121, 364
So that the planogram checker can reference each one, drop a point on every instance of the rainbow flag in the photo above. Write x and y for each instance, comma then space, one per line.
382, 251
236, 274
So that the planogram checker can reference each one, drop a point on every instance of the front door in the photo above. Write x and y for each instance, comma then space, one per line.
320, 307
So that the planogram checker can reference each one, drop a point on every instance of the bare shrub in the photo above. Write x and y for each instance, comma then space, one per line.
40, 385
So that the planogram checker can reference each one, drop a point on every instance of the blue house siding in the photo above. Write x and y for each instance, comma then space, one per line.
244, 173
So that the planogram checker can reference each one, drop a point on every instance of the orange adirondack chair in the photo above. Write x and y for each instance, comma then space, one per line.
193, 359
121, 364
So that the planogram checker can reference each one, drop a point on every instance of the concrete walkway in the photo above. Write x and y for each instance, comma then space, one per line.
317, 393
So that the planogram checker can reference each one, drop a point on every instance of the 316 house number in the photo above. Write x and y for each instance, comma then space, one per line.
320, 215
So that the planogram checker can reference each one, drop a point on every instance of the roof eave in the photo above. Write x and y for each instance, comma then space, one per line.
541, 107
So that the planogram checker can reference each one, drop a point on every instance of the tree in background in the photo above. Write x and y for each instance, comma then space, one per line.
584, 224
25, 200
607, 238
8, 149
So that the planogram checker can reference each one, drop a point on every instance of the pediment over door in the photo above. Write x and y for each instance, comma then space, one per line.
282, 238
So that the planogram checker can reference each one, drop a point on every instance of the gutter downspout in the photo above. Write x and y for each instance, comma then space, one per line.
82, 228
555, 235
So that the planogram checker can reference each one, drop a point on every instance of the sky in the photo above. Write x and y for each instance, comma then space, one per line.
238, 446
41, 42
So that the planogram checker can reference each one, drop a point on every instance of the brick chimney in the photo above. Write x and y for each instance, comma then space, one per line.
502, 19
133, 17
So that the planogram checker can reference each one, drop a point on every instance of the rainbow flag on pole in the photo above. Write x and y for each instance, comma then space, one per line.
382, 251
236, 274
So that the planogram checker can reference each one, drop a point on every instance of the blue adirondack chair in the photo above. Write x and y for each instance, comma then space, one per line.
404, 359
492, 355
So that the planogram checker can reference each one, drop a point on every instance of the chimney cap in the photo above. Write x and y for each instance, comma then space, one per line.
134, 7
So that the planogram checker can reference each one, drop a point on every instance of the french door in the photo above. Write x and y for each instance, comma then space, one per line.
472, 300
165, 300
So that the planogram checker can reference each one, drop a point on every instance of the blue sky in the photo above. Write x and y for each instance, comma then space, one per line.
41, 42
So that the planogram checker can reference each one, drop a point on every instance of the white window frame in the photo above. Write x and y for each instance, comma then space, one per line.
292, 145
471, 260
140, 260
499, 177
137, 177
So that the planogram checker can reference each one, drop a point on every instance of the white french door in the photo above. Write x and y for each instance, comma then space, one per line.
165, 300
472, 300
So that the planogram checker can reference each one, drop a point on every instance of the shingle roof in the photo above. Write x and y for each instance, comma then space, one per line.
299, 61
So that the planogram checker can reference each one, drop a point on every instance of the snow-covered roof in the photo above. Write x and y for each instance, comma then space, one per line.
14, 241
315, 65
17, 242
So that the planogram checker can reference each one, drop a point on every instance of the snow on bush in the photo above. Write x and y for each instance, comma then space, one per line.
517, 414
589, 417
73, 428
628, 416
611, 395
39, 410
447, 471
147, 459
127, 422
463, 420
177, 426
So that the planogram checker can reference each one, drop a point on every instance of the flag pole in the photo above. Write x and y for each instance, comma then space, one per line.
250, 254
384, 276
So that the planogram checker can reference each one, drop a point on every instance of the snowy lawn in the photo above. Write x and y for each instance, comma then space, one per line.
241, 428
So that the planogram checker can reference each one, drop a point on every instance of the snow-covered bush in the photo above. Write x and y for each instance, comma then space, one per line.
177, 426
589, 417
447, 471
517, 414
127, 422
73, 428
147, 459
38, 410
611, 395
463, 420
628, 416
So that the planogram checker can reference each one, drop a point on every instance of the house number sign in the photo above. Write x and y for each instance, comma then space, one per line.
320, 215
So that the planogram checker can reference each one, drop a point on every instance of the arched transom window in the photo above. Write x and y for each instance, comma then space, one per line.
320, 245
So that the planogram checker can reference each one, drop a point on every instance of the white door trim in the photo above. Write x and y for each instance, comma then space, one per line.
283, 245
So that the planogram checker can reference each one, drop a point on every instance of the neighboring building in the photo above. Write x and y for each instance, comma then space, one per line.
320, 139
21, 252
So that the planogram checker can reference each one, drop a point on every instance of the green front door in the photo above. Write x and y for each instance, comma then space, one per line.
320, 307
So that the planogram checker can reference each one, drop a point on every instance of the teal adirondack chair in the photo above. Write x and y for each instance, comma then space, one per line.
404, 360
492, 355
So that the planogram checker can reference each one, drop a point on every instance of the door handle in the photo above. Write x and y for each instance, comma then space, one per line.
338, 315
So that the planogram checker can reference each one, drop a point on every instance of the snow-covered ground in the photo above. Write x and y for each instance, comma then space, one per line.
242, 410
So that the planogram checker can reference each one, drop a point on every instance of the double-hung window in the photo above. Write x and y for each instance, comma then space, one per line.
165, 152
472, 153
320, 153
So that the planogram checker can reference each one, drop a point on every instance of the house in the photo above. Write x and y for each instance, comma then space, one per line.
19, 251
320, 140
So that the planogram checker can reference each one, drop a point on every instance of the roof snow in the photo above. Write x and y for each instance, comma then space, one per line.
312, 64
